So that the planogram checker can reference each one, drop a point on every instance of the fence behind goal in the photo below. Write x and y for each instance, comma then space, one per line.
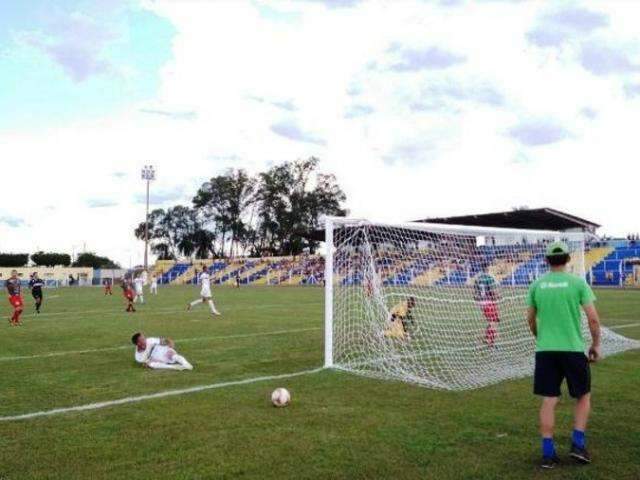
458, 294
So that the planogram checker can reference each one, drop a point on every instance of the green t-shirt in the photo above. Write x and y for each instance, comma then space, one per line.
557, 298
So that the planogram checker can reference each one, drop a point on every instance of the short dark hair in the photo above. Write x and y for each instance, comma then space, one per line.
135, 338
558, 260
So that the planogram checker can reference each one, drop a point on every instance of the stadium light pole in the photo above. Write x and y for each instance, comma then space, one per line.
148, 175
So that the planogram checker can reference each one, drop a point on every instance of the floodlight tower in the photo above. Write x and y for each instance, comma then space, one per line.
148, 175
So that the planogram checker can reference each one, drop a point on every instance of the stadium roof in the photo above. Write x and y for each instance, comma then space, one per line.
529, 219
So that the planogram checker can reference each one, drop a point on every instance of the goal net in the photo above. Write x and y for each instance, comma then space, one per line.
441, 306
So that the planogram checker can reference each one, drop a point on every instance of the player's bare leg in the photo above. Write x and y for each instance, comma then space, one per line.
15, 318
490, 334
194, 303
212, 307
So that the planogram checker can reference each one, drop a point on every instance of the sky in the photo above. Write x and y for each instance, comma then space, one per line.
420, 108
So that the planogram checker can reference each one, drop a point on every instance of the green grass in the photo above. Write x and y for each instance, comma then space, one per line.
339, 426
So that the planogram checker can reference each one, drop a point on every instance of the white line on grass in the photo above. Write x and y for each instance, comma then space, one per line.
628, 325
182, 340
152, 396
162, 311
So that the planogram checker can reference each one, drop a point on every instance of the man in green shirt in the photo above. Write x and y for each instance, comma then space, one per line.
554, 316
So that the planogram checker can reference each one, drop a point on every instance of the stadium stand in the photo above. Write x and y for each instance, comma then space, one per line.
620, 267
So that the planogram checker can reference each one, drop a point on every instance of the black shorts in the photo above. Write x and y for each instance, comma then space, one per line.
553, 367
37, 294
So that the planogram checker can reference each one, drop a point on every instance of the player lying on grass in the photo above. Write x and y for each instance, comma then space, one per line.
485, 293
205, 292
158, 353
15, 298
555, 300
400, 319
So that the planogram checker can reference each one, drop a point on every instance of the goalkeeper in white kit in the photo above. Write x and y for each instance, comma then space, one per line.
158, 353
205, 292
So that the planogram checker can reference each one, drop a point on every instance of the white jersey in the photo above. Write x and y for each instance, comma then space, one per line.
205, 284
145, 277
154, 352
138, 282
154, 281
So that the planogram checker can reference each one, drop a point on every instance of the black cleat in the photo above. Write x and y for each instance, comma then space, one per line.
549, 462
580, 455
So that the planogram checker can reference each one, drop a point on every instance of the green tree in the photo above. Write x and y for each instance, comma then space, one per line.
51, 259
90, 259
13, 259
223, 204
292, 197
236, 213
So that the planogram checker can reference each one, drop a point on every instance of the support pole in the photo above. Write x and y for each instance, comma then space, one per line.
328, 294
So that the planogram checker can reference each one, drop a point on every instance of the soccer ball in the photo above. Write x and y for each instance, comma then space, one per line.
280, 397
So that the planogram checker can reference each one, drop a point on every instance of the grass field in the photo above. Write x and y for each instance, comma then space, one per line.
339, 426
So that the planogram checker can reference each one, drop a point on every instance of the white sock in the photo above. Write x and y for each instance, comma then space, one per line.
165, 366
213, 308
141, 299
182, 361
195, 302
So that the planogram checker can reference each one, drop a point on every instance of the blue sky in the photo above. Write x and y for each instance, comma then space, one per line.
420, 107
77, 59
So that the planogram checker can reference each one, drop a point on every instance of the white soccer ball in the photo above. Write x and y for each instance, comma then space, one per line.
280, 397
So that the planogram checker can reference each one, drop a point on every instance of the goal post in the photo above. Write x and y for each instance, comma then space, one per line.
328, 293
442, 306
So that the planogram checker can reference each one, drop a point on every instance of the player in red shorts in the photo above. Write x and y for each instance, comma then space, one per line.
107, 286
15, 298
486, 294
129, 294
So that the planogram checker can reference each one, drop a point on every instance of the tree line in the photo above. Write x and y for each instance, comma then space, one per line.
52, 259
236, 213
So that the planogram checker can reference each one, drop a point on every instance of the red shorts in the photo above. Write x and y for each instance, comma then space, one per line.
128, 294
16, 301
491, 311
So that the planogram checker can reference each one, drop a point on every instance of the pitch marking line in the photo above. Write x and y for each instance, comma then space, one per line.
183, 340
153, 396
160, 311
628, 325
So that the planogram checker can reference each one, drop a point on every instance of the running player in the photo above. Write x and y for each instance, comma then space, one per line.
36, 284
139, 284
158, 353
205, 292
485, 293
107, 286
127, 291
15, 298
153, 286
400, 319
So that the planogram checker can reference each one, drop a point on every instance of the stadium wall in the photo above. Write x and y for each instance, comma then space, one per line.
57, 275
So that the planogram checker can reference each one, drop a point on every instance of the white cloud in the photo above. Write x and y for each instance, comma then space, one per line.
446, 130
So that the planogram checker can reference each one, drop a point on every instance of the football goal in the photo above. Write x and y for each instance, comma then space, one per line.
442, 306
